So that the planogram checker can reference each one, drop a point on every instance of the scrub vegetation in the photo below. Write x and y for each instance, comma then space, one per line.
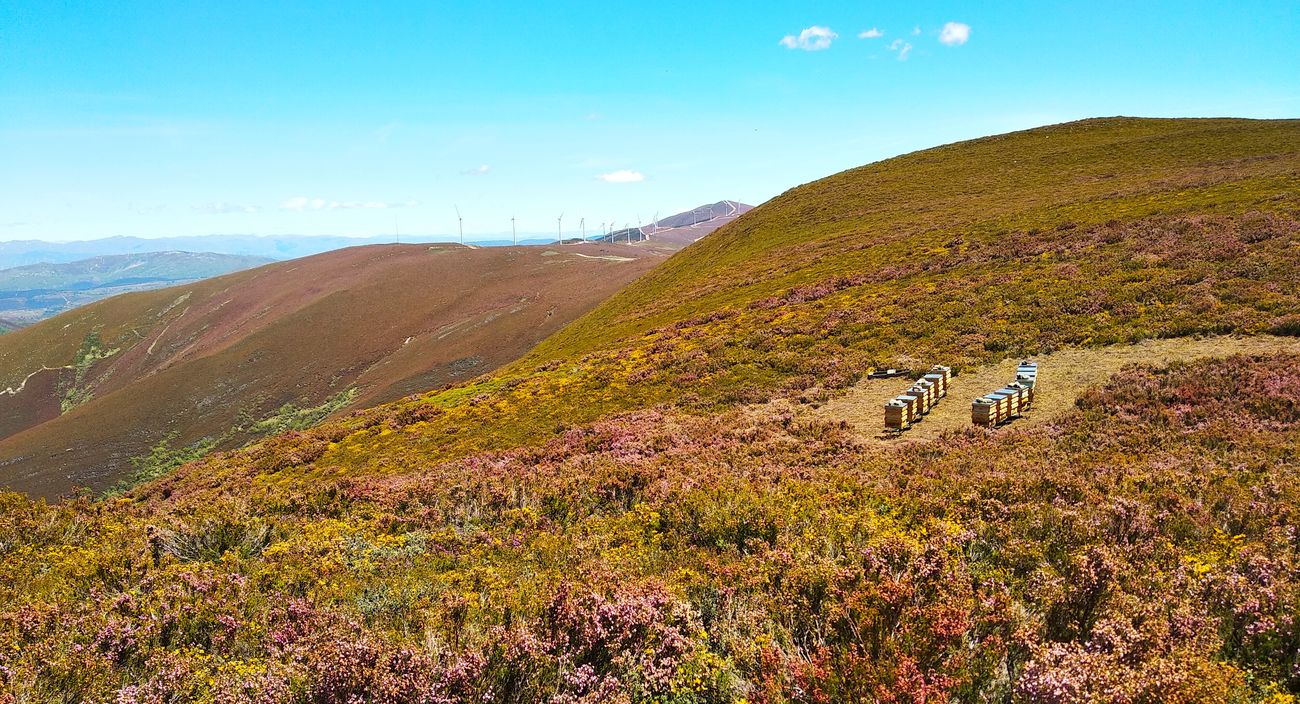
92, 350
625, 515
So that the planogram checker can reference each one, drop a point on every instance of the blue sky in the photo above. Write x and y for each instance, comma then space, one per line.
153, 119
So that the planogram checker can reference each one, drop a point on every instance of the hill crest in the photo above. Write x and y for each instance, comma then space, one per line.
683, 228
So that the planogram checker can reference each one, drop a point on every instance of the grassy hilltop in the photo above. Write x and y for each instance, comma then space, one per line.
641, 509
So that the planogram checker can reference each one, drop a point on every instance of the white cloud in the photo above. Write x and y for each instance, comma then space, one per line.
223, 208
480, 170
622, 176
815, 38
916, 31
296, 203
954, 34
903, 48
302, 203
872, 33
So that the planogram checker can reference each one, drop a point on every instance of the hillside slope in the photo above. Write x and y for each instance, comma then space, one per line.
1083, 234
643, 508
37, 291
97, 386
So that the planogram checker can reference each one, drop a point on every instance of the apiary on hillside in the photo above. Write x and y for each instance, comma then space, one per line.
909, 407
1009, 402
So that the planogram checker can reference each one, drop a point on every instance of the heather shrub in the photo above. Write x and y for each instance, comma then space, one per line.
1140, 548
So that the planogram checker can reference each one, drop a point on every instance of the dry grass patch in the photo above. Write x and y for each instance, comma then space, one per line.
1062, 375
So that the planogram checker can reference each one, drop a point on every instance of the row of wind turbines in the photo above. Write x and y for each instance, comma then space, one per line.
605, 227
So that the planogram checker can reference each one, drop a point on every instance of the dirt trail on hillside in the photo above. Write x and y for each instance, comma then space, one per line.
1062, 376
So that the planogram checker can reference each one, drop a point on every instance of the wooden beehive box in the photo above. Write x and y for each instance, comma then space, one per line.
945, 372
1026, 393
931, 392
1008, 398
928, 389
940, 384
1004, 406
913, 406
897, 416
910, 403
1022, 396
1015, 401
927, 397
1028, 370
918, 397
983, 411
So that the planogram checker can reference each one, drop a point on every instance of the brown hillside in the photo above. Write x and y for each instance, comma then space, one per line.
202, 359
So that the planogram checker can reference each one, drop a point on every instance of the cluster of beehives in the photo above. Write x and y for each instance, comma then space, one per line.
909, 407
1008, 402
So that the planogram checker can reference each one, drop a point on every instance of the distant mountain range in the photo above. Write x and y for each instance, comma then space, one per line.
22, 252
683, 228
37, 291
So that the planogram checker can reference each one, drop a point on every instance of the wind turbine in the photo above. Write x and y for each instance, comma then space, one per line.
559, 231
514, 235
654, 225
582, 224
460, 224
639, 230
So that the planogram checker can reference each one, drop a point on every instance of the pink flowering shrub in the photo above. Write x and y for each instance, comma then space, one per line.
1142, 547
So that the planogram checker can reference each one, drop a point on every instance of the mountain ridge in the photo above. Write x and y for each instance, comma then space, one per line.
685, 227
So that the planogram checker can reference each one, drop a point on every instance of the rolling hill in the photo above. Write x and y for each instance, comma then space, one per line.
226, 359
671, 498
38, 291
